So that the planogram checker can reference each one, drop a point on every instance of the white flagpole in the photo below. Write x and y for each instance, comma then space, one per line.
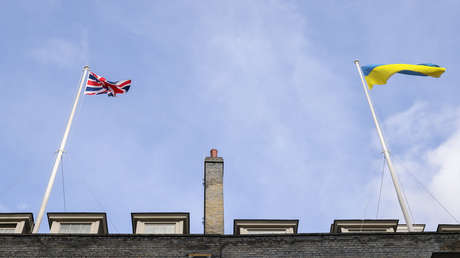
60, 151
402, 201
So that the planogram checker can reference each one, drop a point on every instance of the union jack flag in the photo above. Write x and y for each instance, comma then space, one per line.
96, 85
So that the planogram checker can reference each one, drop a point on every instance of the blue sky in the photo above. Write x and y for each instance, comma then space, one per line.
270, 84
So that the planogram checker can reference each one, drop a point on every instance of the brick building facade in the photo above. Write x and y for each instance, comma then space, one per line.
163, 234
426, 244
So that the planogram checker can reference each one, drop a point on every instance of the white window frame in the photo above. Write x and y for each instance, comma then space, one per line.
364, 226
364, 230
266, 230
404, 228
265, 227
141, 225
56, 226
448, 228
17, 230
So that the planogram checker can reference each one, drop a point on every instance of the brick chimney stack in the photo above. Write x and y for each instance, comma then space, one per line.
213, 194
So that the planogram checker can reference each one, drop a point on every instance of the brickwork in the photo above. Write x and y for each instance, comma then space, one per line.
304, 245
213, 195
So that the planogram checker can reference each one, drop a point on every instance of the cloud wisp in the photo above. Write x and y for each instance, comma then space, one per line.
62, 52
425, 141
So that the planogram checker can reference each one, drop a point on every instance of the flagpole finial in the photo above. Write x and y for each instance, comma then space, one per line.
356, 61
86, 67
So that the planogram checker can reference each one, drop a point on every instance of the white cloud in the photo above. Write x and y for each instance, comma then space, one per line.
445, 182
271, 84
264, 99
417, 124
427, 147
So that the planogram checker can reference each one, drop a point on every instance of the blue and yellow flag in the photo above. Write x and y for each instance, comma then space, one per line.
379, 74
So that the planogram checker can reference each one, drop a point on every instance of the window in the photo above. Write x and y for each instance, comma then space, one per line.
77, 227
160, 223
8, 228
264, 227
363, 230
159, 228
405, 228
364, 226
261, 231
78, 223
448, 228
84, 228
16, 223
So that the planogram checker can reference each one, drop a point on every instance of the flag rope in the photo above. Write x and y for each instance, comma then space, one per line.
434, 197
381, 186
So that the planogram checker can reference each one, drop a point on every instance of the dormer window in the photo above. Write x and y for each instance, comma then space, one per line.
364, 226
448, 228
78, 223
160, 223
16, 223
8, 228
263, 227
405, 228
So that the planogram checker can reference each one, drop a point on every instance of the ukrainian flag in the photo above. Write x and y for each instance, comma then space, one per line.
379, 74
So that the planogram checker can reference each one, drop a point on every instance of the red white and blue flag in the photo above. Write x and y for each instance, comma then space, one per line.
96, 85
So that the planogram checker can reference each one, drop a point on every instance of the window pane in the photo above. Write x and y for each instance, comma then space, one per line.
75, 228
7, 228
159, 228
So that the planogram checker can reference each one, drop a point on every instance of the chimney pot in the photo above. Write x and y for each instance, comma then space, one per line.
213, 153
